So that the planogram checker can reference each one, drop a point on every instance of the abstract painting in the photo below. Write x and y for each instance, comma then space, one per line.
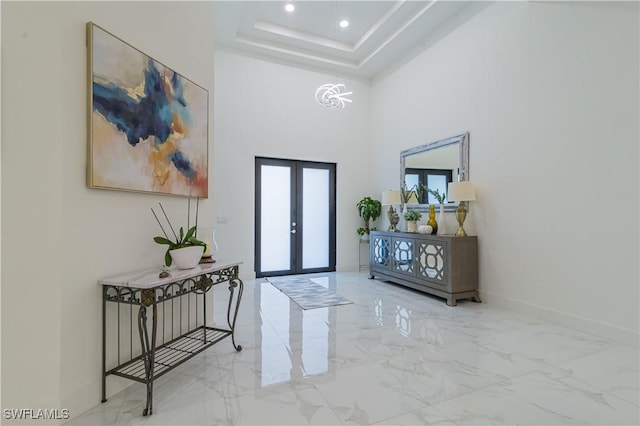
148, 125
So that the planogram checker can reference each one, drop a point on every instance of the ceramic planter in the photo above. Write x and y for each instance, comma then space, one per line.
187, 257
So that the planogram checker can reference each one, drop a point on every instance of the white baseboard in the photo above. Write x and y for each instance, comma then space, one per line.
347, 268
621, 335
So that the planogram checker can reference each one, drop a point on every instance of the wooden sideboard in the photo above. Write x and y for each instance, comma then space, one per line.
442, 265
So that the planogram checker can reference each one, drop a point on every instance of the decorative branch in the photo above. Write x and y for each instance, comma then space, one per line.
157, 220
420, 189
438, 196
168, 221
186, 239
197, 208
406, 193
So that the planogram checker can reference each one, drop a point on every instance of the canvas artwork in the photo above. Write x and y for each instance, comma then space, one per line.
148, 125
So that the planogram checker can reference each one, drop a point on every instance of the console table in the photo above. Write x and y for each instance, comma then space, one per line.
184, 331
442, 265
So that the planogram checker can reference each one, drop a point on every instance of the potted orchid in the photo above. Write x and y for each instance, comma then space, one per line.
185, 249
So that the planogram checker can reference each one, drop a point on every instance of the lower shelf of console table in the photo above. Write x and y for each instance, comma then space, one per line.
172, 354
182, 333
441, 265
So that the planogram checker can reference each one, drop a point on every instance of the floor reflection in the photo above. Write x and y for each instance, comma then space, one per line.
394, 356
309, 342
305, 333
403, 320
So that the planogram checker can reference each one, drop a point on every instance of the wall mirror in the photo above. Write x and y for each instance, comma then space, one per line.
435, 165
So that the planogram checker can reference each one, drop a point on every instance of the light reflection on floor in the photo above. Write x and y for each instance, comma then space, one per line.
394, 356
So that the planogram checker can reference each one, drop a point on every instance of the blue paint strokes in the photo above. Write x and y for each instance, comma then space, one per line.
179, 90
119, 108
149, 115
183, 164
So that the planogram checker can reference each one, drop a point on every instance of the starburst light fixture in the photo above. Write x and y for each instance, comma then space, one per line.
332, 95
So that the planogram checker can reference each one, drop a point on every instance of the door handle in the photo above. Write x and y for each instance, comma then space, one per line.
293, 231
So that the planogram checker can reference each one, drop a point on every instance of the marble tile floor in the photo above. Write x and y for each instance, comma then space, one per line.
393, 357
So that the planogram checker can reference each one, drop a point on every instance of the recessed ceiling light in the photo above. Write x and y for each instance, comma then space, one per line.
344, 23
289, 7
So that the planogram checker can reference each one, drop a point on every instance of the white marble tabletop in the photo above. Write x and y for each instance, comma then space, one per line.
149, 278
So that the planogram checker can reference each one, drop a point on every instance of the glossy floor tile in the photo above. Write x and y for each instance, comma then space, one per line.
393, 357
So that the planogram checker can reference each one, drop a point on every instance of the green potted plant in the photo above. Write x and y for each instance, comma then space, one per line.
412, 217
369, 210
186, 250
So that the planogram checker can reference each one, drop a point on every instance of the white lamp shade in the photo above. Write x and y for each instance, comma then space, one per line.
461, 191
391, 197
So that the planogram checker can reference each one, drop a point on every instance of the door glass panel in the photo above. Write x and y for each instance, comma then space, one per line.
315, 218
275, 209
411, 180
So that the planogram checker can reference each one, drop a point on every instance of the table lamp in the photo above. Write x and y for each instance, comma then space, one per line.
462, 192
389, 198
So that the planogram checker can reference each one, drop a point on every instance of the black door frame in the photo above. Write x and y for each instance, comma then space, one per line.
297, 167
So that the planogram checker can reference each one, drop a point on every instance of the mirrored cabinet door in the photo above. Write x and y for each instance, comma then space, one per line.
380, 247
403, 257
432, 263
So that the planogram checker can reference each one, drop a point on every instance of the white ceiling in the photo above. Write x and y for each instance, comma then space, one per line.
381, 36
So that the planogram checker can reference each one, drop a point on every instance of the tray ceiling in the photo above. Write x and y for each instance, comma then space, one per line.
380, 36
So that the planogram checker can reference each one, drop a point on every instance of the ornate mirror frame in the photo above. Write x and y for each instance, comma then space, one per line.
462, 141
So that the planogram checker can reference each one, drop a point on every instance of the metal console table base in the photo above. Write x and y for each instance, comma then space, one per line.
144, 289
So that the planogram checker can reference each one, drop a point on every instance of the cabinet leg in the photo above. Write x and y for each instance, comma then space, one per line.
371, 277
451, 301
104, 344
476, 299
233, 283
148, 353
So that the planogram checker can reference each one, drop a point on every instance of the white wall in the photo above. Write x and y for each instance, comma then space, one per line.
1, 221
51, 311
541, 87
63, 236
549, 93
266, 109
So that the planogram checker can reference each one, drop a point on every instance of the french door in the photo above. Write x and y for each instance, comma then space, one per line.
295, 223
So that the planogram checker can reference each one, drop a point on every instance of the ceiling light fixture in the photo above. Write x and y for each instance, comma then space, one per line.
344, 23
289, 7
332, 95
